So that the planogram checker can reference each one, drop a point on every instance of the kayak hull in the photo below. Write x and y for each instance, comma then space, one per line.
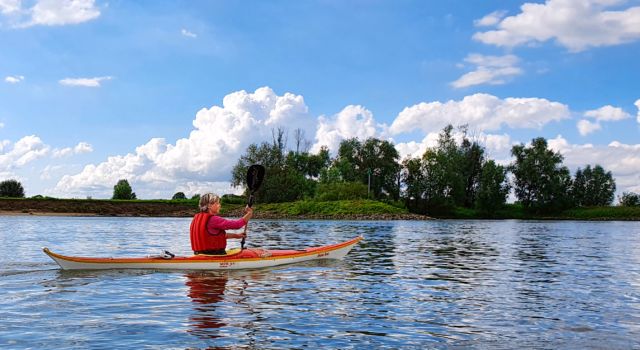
250, 258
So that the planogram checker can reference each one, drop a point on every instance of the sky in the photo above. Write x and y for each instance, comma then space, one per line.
169, 94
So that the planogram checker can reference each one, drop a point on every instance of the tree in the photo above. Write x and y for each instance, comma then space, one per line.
593, 187
122, 190
630, 199
493, 188
179, 195
374, 161
289, 175
471, 167
11, 188
541, 182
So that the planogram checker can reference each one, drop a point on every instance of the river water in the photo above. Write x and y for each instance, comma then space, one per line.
409, 285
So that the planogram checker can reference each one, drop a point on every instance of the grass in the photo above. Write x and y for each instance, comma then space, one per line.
332, 208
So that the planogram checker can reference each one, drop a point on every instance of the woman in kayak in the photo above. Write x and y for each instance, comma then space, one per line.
208, 235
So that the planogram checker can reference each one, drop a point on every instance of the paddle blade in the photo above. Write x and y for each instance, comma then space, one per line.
255, 175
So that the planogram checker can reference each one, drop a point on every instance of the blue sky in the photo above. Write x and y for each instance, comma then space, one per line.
168, 94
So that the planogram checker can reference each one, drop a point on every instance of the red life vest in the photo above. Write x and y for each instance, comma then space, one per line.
201, 239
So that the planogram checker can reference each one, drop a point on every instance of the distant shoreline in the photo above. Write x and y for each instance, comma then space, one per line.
301, 210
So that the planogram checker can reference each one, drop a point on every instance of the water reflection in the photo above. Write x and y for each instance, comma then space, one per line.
206, 290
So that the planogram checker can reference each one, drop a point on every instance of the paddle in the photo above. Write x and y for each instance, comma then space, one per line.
255, 175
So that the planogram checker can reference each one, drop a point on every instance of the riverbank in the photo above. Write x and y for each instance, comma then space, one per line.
301, 210
338, 210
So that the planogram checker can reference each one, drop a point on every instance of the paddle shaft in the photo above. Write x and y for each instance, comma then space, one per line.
255, 175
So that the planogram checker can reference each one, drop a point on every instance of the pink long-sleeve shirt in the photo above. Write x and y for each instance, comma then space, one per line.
217, 224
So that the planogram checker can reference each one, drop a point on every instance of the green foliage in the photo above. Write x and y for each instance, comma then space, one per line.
593, 187
122, 190
341, 191
445, 177
630, 199
332, 208
288, 175
493, 189
179, 195
232, 199
195, 197
11, 188
373, 162
542, 184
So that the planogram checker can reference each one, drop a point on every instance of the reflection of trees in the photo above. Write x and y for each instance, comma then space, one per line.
206, 290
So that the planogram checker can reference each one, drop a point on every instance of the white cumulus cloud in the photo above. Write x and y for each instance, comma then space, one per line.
574, 24
14, 79
80, 148
482, 112
586, 127
493, 70
84, 82
608, 113
352, 121
24, 151
602, 114
637, 103
62, 12
623, 160
204, 158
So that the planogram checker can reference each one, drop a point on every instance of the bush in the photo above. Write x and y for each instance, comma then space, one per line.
179, 195
341, 191
11, 188
233, 199
122, 190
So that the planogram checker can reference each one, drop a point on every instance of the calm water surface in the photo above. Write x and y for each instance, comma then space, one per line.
413, 285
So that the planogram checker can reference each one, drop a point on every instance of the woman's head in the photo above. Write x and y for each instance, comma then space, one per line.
206, 200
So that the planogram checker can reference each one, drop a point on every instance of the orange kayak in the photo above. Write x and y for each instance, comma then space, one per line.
250, 258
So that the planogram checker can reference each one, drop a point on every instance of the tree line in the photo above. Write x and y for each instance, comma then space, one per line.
453, 173
449, 175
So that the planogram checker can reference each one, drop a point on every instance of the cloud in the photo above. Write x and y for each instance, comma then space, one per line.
603, 114
24, 151
576, 25
14, 79
188, 33
85, 82
482, 112
623, 160
608, 113
491, 19
9, 6
586, 127
62, 12
637, 103
352, 121
205, 157
80, 148
493, 70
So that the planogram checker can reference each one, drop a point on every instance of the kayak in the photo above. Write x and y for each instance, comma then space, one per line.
235, 259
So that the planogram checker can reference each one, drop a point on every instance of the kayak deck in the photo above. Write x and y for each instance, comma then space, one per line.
241, 259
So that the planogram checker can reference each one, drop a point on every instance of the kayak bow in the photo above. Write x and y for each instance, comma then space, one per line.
250, 258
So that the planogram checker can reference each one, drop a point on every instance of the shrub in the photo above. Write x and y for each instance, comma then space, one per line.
11, 188
179, 195
122, 190
341, 191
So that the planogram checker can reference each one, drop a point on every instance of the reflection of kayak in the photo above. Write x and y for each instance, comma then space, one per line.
249, 258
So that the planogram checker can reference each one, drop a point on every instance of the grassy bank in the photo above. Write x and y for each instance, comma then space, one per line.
514, 211
336, 210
